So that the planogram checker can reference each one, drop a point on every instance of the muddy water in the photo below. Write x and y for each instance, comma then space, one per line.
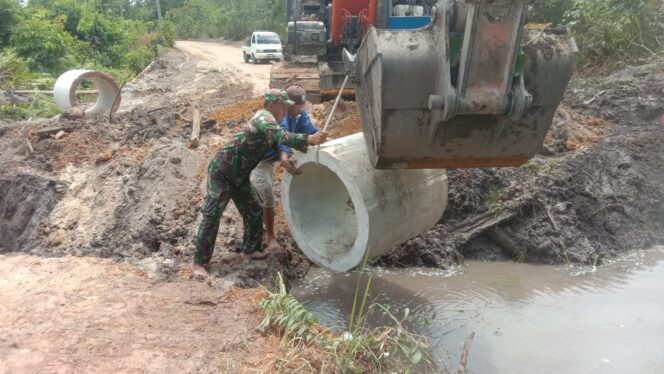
608, 319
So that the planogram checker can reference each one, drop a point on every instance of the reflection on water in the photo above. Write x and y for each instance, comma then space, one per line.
526, 318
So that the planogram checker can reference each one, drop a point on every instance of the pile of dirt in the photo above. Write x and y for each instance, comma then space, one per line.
129, 189
237, 113
345, 120
596, 191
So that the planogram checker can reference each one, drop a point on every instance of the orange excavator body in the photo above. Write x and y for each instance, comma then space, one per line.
343, 10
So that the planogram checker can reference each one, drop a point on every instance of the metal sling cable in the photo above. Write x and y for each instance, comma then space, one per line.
334, 107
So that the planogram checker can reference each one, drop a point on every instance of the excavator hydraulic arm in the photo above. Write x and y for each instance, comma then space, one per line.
475, 88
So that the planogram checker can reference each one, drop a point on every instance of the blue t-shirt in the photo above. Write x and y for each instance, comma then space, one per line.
300, 124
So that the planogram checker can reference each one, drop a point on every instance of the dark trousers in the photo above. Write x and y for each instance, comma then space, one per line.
219, 191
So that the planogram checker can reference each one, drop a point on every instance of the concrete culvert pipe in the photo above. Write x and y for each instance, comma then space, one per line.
342, 207
108, 98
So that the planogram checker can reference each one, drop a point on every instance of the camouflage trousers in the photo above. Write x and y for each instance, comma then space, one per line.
219, 192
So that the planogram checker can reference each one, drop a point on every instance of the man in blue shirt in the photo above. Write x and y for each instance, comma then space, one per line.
296, 121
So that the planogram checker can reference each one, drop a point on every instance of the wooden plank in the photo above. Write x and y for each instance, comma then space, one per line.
196, 129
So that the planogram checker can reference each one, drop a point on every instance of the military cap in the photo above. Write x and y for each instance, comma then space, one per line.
276, 95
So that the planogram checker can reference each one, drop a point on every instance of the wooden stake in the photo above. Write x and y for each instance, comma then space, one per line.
196, 129
32, 150
115, 105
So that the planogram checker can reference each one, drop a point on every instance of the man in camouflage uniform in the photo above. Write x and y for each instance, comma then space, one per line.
296, 121
228, 178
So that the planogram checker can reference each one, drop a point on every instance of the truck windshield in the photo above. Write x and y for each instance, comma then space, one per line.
268, 39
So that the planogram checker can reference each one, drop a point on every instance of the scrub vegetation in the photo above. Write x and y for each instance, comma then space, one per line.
609, 32
42, 39
309, 347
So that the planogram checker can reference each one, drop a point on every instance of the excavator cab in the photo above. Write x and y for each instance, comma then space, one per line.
319, 30
475, 88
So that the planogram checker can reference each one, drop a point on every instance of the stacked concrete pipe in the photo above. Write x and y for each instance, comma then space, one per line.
340, 207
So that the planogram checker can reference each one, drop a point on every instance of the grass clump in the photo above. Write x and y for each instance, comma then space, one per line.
313, 348
287, 315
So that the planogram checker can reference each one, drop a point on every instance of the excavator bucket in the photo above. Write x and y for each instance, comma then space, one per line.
475, 88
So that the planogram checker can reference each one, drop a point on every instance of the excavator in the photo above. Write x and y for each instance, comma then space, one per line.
319, 30
439, 84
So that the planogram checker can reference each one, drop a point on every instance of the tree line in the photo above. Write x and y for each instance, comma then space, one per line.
608, 32
230, 19
40, 39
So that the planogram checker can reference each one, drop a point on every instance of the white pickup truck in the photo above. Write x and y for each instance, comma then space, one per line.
262, 46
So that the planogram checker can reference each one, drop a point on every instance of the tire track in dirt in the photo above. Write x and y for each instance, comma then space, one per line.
225, 56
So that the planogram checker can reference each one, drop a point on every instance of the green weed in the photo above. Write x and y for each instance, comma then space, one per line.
496, 196
312, 348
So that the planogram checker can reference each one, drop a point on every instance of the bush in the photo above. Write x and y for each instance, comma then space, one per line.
550, 11
138, 58
609, 31
39, 106
616, 29
101, 32
166, 32
42, 42
13, 70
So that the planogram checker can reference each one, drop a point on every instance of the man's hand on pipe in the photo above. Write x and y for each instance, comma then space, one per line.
318, 138
289, 164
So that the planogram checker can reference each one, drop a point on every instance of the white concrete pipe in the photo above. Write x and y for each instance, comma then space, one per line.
342, 207
108, 98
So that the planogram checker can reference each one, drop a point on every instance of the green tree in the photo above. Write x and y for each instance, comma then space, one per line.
147, 9
550, 10
43, 42
197, 19
72, 10
227, 18
8, 19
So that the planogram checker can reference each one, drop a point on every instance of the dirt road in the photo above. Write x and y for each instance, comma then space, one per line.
227, 56
65, 315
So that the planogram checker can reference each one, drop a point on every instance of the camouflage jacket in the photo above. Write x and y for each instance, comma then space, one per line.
239, 157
